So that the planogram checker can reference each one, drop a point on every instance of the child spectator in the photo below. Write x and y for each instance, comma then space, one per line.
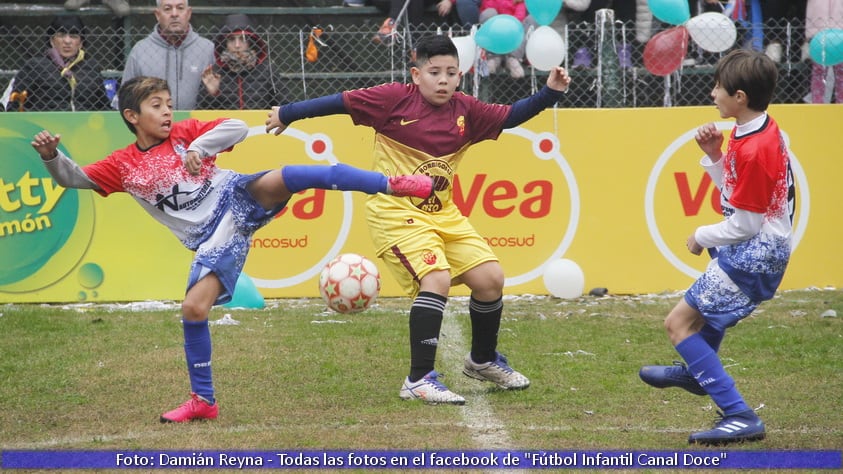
242, 77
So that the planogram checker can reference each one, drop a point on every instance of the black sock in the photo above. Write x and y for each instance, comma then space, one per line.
485, 324
425, 323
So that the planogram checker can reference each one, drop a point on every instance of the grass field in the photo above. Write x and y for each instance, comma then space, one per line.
293, 376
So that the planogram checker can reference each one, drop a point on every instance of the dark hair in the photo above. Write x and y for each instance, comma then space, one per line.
70, 24
439, 45
750, 71
136, 90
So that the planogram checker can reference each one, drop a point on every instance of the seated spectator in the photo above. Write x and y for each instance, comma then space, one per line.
64, 77
415, 14
120, 8
819, 15
242, 76
468, 11
518, 9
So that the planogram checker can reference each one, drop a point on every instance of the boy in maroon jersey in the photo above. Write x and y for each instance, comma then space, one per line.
171, 172
425, 128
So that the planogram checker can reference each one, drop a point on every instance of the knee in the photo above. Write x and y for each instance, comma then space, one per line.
193, 311
437, 281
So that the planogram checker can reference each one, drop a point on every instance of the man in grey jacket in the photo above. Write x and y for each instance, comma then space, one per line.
174, 52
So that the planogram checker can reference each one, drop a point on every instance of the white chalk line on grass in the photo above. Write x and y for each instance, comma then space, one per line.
485, 428
478, 417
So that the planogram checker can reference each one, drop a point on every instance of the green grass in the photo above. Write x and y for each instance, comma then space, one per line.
293, 376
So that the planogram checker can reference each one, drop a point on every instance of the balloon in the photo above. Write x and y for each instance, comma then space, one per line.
674, 12
712, 31
467, 49
826, 47
665, 51
544, 11
563, 278
246, 294
545, 48
501, 34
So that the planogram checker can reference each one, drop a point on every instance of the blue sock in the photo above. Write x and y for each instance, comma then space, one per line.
705, 365
197, 348
338, 177
712, 336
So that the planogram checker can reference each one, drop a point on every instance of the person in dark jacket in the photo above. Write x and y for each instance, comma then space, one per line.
64, 77
242, 76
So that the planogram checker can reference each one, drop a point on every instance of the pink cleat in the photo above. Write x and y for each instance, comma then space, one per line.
415, 185
194, 409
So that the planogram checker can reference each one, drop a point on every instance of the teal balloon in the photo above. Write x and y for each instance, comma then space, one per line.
826, 47
501, 34
544, 11
246, 294
674, 12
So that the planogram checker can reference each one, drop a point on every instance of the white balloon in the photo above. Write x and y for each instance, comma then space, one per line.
712, 31
563, 278
467, 49
545, 48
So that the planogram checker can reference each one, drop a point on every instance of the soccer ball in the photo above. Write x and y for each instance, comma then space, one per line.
349, 283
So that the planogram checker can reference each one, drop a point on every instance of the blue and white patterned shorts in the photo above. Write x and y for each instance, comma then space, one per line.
224, 252
718, 298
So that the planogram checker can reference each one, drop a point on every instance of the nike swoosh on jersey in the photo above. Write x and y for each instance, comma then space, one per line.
408, 122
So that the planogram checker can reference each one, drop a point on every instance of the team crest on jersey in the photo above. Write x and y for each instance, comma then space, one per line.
429, 257
461, 124
440, 171
179, 148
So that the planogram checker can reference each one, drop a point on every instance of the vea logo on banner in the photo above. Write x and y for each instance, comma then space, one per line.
680, 197
45, 229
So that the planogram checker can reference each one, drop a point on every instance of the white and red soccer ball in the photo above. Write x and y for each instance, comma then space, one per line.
349, 283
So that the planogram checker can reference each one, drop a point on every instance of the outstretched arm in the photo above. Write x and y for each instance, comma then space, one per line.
280, 117
64, 170
529, 107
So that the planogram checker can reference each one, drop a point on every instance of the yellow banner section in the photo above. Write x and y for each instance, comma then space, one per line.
616, 191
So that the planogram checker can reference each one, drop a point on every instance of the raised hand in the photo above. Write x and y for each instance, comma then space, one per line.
46, 144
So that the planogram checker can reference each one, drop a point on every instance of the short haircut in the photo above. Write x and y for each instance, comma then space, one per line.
158, 3
136, 90
439, 45
750, 71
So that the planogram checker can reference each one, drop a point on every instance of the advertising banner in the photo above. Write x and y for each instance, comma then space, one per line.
616, 191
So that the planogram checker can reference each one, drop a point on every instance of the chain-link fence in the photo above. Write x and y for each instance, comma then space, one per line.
606, 61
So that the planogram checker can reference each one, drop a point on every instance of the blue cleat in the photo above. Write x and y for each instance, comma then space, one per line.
676, 375
737, 428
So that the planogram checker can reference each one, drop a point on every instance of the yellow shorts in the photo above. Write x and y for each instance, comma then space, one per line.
457, 248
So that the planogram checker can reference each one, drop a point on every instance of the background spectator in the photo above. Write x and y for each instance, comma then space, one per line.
468, 11
242, 76
518, 9
819, 15
64, 77
415, 13
120, 8
174, 52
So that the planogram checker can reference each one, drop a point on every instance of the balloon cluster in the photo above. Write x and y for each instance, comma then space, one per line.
713, 32
503, 34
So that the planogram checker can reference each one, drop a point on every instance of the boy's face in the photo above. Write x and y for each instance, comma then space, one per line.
156, 116
728, 105
437, 78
